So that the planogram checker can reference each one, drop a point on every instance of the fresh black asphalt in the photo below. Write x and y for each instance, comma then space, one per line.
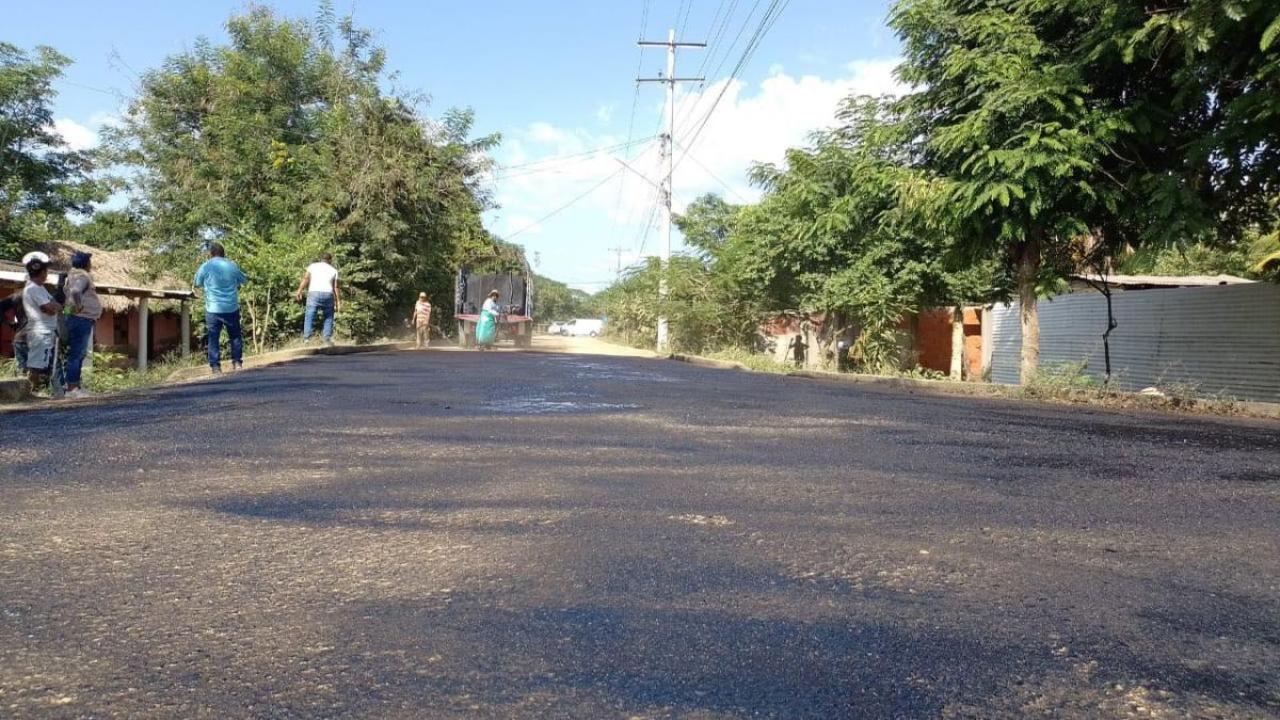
506, 535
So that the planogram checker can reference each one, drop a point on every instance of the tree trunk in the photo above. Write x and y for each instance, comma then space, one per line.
253, 322
957, 343
1028, 272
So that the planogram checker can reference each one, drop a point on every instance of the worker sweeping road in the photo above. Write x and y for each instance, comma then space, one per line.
487, 328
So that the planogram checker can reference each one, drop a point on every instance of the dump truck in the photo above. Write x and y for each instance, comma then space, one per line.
515, 292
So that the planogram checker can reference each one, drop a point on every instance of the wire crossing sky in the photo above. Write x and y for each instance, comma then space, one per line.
557, 80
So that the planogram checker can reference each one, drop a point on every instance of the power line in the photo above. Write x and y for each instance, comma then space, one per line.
631, 122
715, 177
767, 21
565, 206
692, 110
571, 156
684, 24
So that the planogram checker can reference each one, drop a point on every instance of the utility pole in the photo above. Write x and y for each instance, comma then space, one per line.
618, 252
668, 153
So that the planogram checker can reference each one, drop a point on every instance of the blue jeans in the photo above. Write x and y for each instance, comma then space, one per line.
79, 340
215, 322
321, 302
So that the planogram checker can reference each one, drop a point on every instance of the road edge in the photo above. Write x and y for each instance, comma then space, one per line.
15, 402
280, 357
1250, 409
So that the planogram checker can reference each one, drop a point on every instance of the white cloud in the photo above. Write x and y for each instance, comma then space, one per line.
75, 135
547, 133
750, 124
604, 114
105, 119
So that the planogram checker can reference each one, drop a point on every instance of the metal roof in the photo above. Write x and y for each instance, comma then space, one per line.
1162, 280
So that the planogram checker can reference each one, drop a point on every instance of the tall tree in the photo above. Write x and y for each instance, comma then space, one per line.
40, 178
283, 142
1004, 117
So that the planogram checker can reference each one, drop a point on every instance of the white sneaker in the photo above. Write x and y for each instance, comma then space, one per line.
79, 393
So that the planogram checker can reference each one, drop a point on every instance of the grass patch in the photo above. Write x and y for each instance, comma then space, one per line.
113, 372
1069, 382
1063, 381
752, 361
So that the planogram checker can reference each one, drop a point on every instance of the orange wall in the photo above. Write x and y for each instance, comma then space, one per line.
935, 340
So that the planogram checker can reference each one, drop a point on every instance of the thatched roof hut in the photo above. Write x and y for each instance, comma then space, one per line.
128, 292
122, 276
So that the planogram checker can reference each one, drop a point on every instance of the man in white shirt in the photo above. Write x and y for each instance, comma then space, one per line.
321, 283
42, 319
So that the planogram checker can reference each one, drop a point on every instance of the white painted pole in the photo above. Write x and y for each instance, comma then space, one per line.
668, 150
143, 335
186, 329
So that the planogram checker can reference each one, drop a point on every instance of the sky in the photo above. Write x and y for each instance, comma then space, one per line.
555, 79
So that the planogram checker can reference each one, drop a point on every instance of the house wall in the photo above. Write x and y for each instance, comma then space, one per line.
166, 333
118, 332
1223, 339
934, 341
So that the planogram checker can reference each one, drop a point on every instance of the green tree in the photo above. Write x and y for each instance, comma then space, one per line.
702, 315
40, 178
283, 141
852, 229
111, 230
707, 223
553, 300
1003, 115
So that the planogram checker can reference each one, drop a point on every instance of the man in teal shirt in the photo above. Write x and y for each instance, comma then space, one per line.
220, 279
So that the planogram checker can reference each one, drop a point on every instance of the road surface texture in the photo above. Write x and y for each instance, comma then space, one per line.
508, 535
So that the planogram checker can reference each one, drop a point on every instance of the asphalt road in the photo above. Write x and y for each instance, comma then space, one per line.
449, 534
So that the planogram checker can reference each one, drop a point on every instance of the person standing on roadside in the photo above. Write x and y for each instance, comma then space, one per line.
86, 308
321, 282
42, 320
15, 316
220, 279
422, 320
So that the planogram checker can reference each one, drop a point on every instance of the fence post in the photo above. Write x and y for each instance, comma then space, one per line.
186, 329
143, 335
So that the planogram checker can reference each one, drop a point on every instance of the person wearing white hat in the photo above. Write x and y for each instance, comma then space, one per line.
42, 319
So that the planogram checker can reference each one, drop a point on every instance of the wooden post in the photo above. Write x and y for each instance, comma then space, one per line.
186, 329
143, 339
957, 342
987, 318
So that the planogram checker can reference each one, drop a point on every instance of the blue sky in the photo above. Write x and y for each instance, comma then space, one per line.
554, 78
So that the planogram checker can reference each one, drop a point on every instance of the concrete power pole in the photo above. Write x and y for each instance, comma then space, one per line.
668, 154
617, 251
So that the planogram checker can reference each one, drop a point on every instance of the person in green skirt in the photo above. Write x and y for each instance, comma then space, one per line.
487, 327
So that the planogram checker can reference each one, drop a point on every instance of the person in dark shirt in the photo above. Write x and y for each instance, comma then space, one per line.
12, 314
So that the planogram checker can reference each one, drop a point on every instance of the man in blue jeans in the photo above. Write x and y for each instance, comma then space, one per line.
221, 280
86, 308
321, 283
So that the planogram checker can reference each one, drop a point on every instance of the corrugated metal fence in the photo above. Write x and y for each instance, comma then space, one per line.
1217, 340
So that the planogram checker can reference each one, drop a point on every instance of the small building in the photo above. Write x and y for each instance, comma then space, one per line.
139, 319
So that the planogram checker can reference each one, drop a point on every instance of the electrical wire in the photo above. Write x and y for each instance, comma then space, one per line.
501, 169
691, 111
715, 177
767, 21
631, 121
565, 206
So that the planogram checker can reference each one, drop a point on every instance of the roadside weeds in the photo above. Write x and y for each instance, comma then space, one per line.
1048, 390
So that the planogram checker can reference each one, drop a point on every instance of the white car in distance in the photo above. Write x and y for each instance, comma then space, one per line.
583, 327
